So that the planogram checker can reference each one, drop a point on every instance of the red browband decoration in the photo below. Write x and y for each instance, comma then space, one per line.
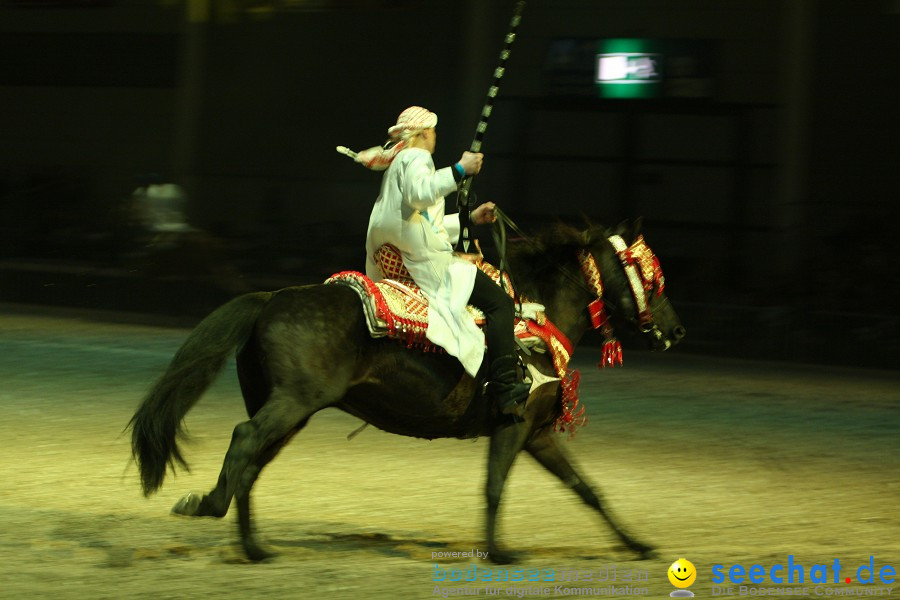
640, 255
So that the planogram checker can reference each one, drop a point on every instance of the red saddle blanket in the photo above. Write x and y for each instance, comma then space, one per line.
395, 308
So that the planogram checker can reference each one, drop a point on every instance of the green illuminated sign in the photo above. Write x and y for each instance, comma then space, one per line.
628, 68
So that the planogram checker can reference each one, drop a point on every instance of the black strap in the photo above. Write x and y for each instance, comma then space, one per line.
498, 231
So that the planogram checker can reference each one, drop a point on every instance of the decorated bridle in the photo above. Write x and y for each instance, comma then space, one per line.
644, 274
642, 269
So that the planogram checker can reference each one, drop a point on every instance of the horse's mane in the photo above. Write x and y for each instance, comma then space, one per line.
539, 264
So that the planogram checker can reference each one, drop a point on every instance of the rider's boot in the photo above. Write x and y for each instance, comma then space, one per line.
505, 388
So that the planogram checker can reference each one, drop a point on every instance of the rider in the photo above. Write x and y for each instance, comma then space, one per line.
409, 214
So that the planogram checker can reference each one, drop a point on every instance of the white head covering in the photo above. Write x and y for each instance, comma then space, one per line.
411, 121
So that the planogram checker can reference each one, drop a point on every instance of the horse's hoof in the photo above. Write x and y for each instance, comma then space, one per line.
502, 557
649, 554
256, 553
188, 505
644, 551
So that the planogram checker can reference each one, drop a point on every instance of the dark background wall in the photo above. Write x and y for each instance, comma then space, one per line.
769, 191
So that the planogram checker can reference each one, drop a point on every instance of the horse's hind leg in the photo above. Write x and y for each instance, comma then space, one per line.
255, 392
218, 500
255, 443
251, 546
546, 450
213, 504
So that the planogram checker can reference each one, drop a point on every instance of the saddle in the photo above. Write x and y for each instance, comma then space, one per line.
396, 308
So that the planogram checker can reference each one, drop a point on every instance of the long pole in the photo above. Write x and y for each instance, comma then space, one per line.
462, 198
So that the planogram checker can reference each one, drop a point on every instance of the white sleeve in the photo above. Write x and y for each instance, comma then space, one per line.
420, 184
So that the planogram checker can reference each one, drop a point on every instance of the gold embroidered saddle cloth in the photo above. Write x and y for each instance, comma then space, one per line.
395, 306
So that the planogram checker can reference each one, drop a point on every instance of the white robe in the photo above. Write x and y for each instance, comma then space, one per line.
409, 213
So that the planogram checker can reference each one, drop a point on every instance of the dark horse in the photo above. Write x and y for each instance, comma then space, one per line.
302, 349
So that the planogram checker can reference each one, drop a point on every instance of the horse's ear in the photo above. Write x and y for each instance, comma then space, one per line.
638, 227
630, 230
623, 229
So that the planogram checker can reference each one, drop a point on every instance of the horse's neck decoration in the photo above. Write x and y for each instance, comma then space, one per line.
612, 348
560, 349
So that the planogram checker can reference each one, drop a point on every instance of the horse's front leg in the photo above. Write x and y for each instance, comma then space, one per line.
545, 448
506, 442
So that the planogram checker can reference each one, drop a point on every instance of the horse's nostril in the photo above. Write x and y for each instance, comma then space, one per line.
679, 332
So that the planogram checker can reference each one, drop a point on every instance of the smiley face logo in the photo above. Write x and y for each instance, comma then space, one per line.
682, 573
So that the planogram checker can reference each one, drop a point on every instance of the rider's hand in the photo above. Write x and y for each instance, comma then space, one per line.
484, 214
471, 162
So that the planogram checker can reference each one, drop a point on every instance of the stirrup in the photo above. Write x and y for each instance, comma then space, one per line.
516, 396
514, 409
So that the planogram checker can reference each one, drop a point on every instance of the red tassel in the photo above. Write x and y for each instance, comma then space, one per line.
612, 354
572, 416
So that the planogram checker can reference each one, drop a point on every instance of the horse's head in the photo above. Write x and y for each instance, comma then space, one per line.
597, 279
633, 285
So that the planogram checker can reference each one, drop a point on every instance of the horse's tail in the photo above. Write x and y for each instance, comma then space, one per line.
156, 425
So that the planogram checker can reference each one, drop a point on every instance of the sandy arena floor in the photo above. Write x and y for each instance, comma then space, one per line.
721, 462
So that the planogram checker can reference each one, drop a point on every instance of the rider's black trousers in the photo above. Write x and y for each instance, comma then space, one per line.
499, 312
